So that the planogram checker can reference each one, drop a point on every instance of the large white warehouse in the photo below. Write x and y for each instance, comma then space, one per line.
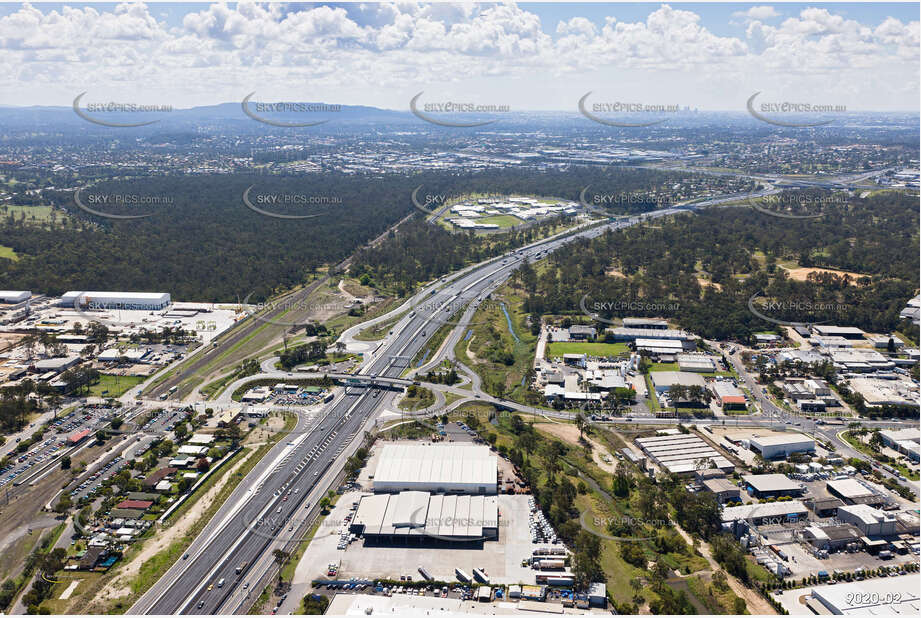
147, 301
437, 468
12, 297
771, 447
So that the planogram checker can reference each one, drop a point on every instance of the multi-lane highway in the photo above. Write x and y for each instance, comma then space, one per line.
276, 494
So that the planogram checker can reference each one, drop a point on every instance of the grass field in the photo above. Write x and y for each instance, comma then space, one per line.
379, 330
559, 348
502, 221
423, 399
114, 386
36, 214
501, 361
8, 253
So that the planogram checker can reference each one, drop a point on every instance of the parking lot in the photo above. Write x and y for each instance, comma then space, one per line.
92, 484
49, 448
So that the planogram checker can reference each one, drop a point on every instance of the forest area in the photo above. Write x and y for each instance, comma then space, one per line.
204, 244
705, 269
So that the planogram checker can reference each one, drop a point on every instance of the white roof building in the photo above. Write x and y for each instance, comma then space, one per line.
439, 468
663, 380
880, 596
116, 300
421, 514
771, 511
13, 297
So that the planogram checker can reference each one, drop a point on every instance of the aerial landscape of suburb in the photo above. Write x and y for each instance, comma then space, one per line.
460, 308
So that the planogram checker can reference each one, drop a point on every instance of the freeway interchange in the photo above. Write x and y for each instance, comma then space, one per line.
270, 504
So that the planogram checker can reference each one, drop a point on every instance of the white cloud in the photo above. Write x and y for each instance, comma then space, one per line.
758, 12
384, 53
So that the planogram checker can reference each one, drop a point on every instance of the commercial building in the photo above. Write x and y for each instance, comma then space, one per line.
664, 380
683, 454
598, 594
771, 485
771, 447
880, 596
112, 355
728, 395
14, 297
147, 301
852, 491
437, 468
870, 521
419, 518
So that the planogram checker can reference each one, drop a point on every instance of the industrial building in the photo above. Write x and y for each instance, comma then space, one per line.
418, 517
771, 485
664, 380
831, 538
728, 396
905, 441
621, 333
701, 363
146, 301
772, 447
437, 468
852, 491
860, 360
766, 513
723, 489
825, 507
883, 596
660, 347
683, 453
57, 365
878, 392
870, 521
14, 297
648, 323
848, 332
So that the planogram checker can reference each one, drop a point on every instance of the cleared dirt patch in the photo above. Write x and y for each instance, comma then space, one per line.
704, 283
800, 274
570, 434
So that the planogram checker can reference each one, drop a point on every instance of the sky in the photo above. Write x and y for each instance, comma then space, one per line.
527, 56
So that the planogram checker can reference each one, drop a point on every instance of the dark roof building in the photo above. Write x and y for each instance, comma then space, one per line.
142, 505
